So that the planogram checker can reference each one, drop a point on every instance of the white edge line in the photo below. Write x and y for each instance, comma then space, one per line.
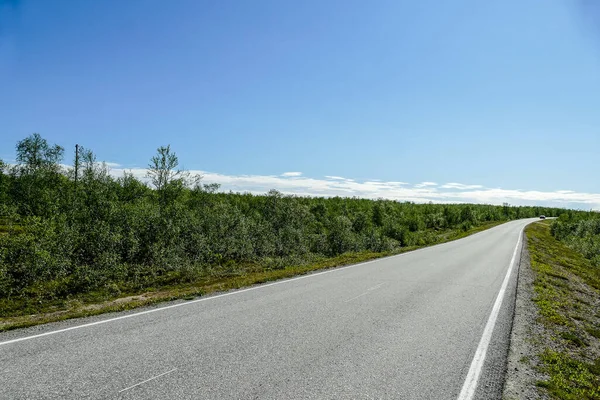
147, 380
104, 321
470, 384
238, 291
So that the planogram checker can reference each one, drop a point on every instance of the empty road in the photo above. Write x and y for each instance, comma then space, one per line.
403, 327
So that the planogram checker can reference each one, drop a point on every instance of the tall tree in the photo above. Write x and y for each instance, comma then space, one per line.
162, 168
35, 154
169, 181
39, 191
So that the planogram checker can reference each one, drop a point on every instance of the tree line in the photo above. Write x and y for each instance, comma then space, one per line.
66, 231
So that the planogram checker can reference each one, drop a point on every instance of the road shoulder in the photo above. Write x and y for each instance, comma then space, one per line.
521, 375
555, 349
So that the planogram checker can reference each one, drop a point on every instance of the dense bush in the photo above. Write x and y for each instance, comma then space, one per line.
580, 231
67, 231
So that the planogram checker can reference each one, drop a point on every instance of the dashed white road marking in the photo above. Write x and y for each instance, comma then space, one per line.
375, 287
147, 380
367, 292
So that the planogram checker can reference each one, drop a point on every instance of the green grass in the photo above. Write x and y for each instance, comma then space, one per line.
574, 339
24, 311
565, 289
570, 378
593, 332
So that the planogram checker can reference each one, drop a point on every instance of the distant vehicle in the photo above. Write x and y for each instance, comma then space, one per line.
542, 217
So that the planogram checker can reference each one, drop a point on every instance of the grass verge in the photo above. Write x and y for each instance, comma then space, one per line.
102, 302
567, 294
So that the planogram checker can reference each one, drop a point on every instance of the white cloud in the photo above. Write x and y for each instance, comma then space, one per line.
112, 164
460, 186
339, 178
425, 184
373, 189
292, 174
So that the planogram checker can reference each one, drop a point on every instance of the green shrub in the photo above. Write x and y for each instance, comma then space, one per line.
63, 234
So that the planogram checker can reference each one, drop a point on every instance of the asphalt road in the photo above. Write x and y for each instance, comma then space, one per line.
403, 327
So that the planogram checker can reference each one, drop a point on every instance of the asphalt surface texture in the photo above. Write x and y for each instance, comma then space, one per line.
401, 327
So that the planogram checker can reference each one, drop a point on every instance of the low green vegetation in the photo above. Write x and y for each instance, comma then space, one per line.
581, 232
76, 240
567, 293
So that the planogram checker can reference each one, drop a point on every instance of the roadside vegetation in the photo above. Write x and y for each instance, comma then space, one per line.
565, 258
77, 241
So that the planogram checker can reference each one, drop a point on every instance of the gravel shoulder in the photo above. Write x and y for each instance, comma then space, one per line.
521, 374
555, 341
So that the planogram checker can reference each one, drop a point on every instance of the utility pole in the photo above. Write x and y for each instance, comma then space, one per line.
76, 163
75, 201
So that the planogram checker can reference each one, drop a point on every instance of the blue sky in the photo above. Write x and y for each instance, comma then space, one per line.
499, 94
